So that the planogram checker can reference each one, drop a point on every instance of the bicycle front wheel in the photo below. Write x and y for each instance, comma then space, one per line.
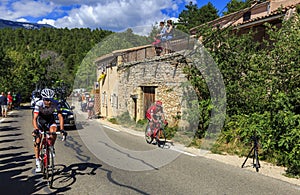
51, 167
44, 162
161, 138
148, 135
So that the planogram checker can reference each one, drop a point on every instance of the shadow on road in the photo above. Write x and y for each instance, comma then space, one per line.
15, 162
17, 174
66, 176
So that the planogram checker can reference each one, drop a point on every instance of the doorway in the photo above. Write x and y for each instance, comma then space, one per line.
149, 97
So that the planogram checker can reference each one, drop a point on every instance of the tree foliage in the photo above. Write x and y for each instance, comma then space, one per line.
194, 16
30, 57
263, 91
237, 5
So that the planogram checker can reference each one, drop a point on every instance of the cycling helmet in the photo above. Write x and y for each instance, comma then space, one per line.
47, 93
158, 103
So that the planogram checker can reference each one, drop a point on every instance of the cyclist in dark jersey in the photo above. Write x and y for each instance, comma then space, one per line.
43, 116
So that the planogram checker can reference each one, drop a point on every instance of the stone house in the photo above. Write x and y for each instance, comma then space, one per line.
130, 80
254, 17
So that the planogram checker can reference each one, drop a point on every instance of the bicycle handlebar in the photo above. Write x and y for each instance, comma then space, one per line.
64, 133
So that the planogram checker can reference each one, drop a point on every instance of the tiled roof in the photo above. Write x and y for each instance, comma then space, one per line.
273, 13
229, 19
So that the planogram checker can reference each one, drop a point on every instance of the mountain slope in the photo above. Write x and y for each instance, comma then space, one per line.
26, 25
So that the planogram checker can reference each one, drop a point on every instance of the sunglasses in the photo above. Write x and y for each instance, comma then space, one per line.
47, 99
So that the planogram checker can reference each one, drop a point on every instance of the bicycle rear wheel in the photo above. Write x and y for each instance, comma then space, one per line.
148, 135
51, 167
161, 138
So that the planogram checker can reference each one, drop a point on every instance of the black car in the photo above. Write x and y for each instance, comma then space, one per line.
68, 114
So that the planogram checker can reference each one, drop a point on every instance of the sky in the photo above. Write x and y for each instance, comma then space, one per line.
114, 15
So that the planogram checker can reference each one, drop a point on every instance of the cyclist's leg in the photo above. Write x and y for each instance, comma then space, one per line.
150, 127
36, 146
93, 112
53, 128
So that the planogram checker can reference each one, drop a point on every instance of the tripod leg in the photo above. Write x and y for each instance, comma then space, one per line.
247, 156
257, 165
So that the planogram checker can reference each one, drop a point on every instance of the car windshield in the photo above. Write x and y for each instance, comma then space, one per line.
65, 105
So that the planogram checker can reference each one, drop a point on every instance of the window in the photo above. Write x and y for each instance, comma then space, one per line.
104, 99
247, 16
114, 100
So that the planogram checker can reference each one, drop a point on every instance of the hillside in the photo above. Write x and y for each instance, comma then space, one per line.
25, 25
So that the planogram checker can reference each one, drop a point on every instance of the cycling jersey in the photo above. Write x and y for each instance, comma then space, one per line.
154, 111
46, 113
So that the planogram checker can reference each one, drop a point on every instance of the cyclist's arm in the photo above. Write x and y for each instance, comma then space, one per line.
34, 120
60, 116
152, 116
35, 115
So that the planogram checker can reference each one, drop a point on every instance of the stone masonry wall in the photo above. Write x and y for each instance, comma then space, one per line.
165, 73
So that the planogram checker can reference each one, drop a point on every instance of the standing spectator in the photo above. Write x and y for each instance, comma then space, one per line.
14, 104
90, 108
0, 105
19, 99
9, 101
159, 36
169, 31
3, 102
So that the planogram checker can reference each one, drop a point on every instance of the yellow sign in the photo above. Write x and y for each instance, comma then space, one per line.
102, 76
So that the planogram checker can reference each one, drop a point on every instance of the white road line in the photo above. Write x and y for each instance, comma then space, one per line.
183, 152
111, 128
1, 120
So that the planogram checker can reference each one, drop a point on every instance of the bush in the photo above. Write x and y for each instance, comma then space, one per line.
113, 120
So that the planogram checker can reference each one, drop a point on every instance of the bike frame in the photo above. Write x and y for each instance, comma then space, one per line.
46, 142
157, 133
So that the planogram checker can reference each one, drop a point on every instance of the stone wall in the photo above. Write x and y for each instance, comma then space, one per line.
165, 73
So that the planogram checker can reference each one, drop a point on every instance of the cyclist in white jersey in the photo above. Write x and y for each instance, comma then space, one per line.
43, 115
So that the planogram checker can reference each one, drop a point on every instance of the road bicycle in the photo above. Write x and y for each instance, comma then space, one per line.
47, 154
157, 132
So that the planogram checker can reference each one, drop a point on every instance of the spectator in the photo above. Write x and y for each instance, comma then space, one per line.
169, 32
158, 38
9, 101
19, 99
165, 35
3, 103
90, 108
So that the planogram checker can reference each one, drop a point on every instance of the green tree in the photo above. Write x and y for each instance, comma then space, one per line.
262, 90
42, 56
237, 5
194, 16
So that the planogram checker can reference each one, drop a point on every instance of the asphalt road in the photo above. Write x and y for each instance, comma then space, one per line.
97, 159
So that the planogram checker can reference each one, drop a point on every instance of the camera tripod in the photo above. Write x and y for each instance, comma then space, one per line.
254, 149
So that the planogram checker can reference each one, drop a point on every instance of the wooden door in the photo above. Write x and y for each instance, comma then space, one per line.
149, 97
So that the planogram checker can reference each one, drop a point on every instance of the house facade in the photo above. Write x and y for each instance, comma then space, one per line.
131, 80
254, 17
